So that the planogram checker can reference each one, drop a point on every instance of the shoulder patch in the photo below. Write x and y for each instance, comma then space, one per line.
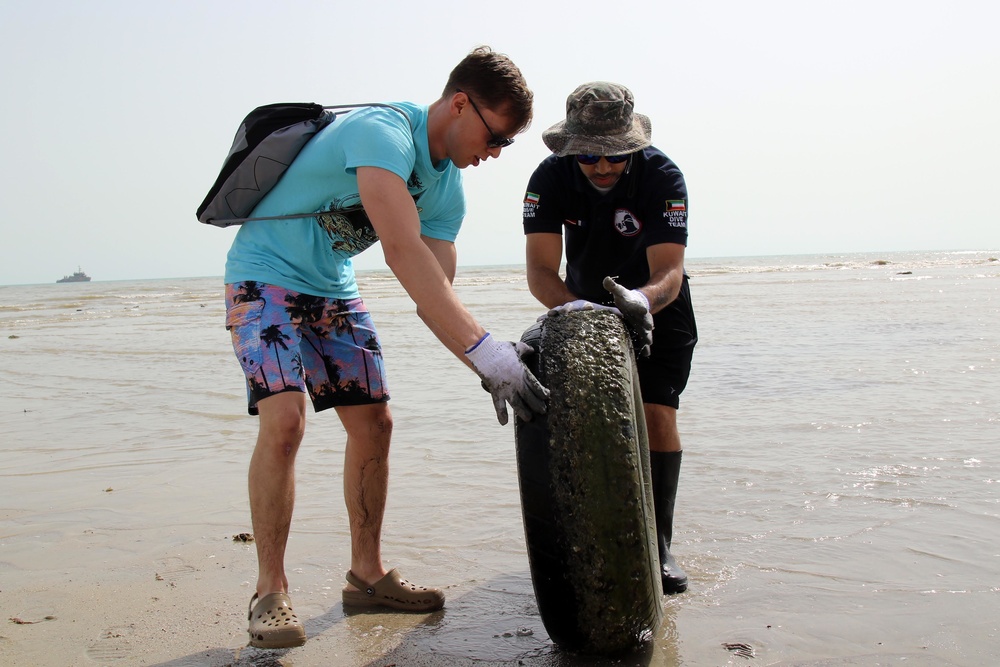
675, 213
530, 204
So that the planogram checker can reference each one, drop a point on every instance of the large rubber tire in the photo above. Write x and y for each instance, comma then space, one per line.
586, 493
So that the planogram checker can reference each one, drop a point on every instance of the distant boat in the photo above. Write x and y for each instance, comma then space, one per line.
78, 277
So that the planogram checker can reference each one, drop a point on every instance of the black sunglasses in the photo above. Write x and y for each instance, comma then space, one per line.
496, 141
594, 159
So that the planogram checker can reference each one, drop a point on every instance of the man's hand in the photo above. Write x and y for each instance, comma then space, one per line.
507, 378
579, 304
634, 307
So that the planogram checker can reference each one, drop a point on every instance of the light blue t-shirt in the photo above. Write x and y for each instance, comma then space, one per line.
313, 255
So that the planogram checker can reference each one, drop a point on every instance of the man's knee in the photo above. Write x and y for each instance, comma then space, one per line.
379, 427
282, 421
368, 426
661, 428
382, 423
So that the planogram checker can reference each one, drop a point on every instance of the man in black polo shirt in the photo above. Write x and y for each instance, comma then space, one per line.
622, 206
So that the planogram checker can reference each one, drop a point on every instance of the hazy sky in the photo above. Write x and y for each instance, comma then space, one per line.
801, 126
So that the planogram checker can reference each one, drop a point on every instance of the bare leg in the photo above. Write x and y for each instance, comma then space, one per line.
661, 424
272, 484
366, 482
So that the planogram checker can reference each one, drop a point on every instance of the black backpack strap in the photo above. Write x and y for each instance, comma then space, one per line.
332, 107
383, 105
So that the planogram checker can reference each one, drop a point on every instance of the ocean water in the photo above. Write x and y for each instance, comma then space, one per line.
839, 500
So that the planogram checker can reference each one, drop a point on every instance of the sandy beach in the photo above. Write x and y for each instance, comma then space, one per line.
181, 610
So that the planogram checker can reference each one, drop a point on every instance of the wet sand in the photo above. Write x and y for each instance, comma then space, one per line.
182, 609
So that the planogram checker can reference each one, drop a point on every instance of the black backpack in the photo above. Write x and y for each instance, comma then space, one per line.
266, 143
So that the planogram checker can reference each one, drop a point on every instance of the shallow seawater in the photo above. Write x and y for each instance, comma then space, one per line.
839, 496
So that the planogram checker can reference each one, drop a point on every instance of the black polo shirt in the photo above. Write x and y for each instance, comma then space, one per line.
607, 234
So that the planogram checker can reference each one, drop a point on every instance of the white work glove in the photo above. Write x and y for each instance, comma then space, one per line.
571, 306
507, 378
634, 307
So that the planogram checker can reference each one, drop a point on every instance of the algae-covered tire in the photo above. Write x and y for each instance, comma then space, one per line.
586, 495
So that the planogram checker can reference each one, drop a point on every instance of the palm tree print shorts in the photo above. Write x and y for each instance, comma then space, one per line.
288, 341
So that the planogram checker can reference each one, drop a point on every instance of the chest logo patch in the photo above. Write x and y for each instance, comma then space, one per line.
626, 223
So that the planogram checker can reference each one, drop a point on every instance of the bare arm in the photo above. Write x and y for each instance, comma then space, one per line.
666, 272
394, 217
447, 258
544, 255
666, 275
425, 270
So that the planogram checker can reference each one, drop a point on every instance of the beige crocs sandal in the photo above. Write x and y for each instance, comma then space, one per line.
393, 592
273, 624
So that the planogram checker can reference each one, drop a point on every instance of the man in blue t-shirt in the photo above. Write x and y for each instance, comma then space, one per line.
622, 206
299, 326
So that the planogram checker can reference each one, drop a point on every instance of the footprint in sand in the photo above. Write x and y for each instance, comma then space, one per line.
173, 569
114, 645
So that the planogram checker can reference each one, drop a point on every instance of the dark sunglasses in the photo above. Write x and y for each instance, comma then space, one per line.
496, 141
594, 159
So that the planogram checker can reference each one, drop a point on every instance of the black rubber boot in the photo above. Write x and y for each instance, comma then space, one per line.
666, 468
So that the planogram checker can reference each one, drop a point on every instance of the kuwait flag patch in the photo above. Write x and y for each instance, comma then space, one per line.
676, 205
532, 198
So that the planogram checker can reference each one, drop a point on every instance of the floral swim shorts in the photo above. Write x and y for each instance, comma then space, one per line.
289, 341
